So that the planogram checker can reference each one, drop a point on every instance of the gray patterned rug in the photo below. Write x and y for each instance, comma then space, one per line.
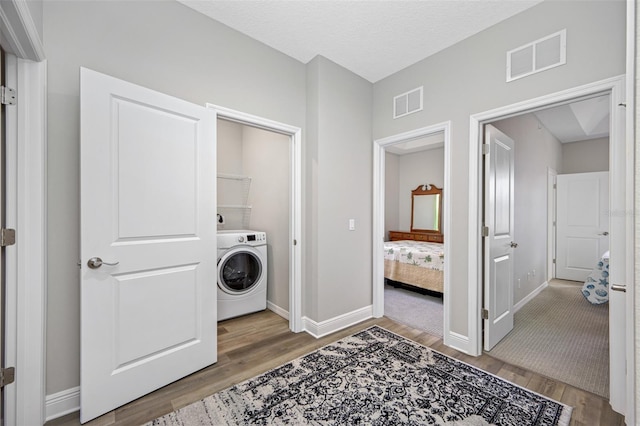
374, 377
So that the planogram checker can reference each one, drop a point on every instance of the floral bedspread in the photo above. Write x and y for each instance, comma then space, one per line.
596, 287
418, 253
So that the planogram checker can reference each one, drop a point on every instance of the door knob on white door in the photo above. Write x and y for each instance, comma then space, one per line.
605, 233
96, 262
514, 245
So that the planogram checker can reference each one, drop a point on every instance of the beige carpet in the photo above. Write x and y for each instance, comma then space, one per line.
559, 334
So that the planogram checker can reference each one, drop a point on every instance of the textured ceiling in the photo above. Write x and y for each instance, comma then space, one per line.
373, 39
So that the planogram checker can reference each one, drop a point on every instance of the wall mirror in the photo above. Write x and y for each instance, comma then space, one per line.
426, 209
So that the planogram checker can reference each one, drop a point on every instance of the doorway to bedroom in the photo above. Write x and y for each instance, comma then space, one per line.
414, 265
410, 281
561, 159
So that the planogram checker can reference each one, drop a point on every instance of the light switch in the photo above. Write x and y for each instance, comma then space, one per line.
352, 224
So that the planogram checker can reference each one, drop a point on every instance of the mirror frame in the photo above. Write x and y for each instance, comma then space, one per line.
433, 191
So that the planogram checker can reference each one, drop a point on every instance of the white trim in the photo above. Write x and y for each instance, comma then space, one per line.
551, 217
277, 310
295, 215
631, 397
62, 403
19, 30
458, 341
621, 179
379, 146
324, 328
25, 304
530, 297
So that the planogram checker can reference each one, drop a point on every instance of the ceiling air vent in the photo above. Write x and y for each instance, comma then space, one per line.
407, 103
543, 54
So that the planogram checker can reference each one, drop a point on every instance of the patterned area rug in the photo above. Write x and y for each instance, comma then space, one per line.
374, 377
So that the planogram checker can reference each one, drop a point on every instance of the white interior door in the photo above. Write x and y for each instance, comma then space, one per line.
499, 240
148, 195
582, 223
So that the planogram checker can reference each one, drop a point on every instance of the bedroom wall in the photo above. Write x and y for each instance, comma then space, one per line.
585, 156
469, 77
416, 169
536, 150
391, 194
202, 62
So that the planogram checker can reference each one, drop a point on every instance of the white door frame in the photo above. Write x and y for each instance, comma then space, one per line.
25, 303
379, 147
551, 227
621, 199
295, 212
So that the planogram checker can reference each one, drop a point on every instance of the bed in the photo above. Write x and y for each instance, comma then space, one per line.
415, 263
596, 286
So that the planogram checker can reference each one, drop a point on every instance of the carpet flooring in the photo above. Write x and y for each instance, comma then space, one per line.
373, 377
419, 311
559, 334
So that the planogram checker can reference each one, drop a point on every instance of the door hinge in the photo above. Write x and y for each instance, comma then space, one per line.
555, 186
485, 149
485, 231
7, 95
7, 376
7, 237
554, 261
485, 314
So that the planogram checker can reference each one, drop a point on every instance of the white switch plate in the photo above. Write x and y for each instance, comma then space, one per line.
352, 224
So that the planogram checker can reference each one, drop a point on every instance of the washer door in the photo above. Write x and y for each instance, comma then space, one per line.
239, 270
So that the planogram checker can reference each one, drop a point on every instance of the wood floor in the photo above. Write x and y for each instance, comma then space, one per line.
255, 343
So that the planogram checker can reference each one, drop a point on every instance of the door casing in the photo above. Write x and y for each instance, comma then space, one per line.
379, 145
295, 208
620, 200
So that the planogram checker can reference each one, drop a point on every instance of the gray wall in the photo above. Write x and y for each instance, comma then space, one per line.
417, 169
339, 175
266, 159
536, 150
585, 156
391, 194
201, 61
469, 78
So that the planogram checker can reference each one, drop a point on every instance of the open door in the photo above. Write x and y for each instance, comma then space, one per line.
582, 223
148, 241
498, 232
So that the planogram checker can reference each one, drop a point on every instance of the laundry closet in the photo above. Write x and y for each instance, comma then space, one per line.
253, 194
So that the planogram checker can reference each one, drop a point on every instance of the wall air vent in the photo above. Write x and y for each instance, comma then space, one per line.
543, 54
407, 103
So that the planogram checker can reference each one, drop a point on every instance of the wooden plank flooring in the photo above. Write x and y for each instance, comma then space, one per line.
255, 343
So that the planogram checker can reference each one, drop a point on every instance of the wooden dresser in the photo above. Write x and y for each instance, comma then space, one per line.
416, 236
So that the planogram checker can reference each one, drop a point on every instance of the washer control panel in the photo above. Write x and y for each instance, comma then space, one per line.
228, 239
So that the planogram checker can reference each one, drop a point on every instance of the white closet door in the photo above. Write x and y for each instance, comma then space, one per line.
582, 223
148, 194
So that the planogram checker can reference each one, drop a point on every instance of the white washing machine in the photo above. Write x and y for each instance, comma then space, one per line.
242, 273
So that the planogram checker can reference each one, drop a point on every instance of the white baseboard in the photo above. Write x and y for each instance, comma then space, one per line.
62, 403
457, 342
323, 328
530, 297
278, 310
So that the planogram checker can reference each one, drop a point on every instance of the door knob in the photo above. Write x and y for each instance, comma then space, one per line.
514, 245
96, 262
605, 233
